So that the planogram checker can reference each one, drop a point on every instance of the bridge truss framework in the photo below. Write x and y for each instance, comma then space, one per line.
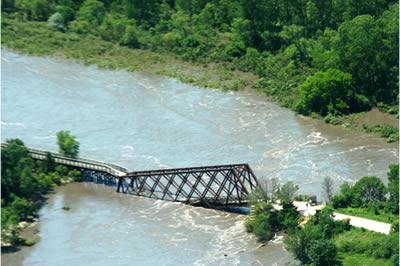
210, 186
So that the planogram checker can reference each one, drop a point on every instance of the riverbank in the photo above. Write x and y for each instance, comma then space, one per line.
37, 39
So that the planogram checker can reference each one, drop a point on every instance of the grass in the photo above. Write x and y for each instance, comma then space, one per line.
369, 214
363, 247
355, 259
29, 242
37, 39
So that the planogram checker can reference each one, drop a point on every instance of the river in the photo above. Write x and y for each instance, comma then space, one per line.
144, 121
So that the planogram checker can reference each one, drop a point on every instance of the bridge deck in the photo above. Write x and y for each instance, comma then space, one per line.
88, 164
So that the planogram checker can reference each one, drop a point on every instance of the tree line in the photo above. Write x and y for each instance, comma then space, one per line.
25, 181
322, 240
315, 56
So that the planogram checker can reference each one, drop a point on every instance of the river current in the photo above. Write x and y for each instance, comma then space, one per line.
143, 121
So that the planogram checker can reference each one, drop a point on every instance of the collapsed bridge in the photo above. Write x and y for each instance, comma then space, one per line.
220, 186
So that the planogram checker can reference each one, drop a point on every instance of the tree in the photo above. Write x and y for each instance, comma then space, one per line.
299, 242
48, 164
368, 49
37, 9
56, 21
393, 188
287, 192
370, 188
92, 11
130, 37
327, 186
16, 162
325, 92
67, 144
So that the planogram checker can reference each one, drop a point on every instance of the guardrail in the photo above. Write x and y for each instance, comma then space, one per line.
112, 169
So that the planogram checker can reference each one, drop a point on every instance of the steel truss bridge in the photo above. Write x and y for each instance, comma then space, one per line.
219, 186
208, 186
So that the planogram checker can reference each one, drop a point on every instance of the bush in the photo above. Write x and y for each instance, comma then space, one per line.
387, 130
29, 242
299, 241
130, 37
322, 252
302, 198
56, 178
23, 208
289, 217
56, 21
37, 9
62, 170
75, 175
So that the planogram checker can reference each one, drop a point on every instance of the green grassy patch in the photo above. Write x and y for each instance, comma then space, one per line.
362, 247
29, 242
381, 215
38, 39
355, 259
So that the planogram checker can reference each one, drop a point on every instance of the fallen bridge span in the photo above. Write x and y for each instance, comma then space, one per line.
220, 186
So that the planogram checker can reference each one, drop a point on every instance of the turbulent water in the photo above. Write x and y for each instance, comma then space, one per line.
142, 121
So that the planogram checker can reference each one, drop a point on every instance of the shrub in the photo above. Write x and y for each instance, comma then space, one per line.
61, 170
322, 252
23, 208
29, 242
298, 243
36, 9
56, 21
387, 130
130, 37
289, 217
75, 175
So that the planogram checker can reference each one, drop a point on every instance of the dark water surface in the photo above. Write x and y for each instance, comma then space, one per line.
142, 121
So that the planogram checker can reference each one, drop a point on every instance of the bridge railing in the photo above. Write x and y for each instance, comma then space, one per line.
78, 162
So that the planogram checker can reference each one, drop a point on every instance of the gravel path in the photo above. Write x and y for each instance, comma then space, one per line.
354, 221
365, 223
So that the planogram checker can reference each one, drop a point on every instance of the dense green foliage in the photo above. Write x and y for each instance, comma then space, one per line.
314, 243
328, 57
265, 221
23, 182
371, 194
67, 144
322, 240
374, 248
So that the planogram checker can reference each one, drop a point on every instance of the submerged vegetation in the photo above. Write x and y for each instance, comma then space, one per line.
23, 184
322, 240
321, 58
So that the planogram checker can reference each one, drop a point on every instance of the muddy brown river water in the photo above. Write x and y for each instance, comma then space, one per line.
143, 121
